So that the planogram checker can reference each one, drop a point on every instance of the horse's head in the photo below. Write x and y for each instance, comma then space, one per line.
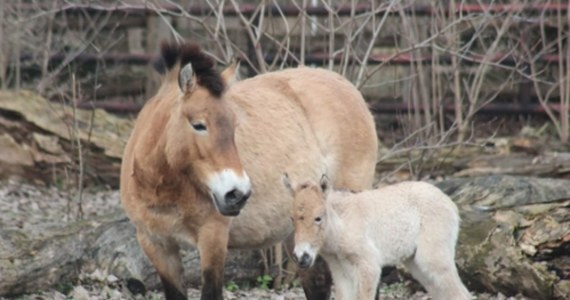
201, 131
309, 218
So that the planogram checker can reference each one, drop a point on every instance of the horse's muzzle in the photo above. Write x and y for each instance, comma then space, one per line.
232, 202
230, 192
304, 261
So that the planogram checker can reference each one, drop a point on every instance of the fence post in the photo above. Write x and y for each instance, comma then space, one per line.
157, 30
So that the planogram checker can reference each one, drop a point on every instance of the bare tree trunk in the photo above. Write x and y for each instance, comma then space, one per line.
3, 59
18, 43
457, 97
563, 76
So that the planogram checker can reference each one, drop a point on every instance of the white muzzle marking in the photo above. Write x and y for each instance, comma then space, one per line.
305, 249
226, 181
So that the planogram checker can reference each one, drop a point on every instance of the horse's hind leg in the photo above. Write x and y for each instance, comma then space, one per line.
317, 280
212, 245
438, 275
164, 255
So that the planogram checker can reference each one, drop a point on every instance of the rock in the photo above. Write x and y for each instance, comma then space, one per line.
39, 139
29, 263
80, 293
515, 234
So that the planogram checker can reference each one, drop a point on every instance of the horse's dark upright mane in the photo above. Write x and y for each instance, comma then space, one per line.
202, 64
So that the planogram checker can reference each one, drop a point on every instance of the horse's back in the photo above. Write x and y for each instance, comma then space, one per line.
342, 123
339, 118
305, 122
410, 204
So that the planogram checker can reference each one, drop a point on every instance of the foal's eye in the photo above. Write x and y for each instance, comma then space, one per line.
199, 126
318, 220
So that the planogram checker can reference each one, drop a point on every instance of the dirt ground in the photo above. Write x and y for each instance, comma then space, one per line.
24, 206
114, 292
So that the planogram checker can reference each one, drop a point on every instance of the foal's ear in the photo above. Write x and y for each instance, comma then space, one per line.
231, 74
186, 78
288, 184
325, 183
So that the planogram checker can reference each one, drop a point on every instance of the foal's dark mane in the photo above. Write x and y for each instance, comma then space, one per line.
202, 65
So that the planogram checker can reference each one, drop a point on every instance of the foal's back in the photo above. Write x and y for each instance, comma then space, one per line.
394, 217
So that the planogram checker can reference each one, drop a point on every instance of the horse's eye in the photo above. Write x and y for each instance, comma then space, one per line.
199, 126
318, 220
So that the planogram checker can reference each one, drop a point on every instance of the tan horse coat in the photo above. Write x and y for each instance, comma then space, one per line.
304, 121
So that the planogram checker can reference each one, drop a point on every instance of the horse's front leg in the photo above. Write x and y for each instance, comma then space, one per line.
317, 280
213, 239
164, 254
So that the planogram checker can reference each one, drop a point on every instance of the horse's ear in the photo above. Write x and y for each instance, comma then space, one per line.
186, 78
325, 183
288, 184
231, 74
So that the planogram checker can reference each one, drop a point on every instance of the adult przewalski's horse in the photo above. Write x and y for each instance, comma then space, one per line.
204, 143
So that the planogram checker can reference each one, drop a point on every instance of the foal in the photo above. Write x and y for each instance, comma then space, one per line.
359, 233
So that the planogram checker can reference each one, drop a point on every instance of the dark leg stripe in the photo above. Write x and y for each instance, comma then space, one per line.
211, 285
171, 292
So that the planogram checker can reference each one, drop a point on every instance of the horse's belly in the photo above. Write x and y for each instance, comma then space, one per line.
263, 222
246, 237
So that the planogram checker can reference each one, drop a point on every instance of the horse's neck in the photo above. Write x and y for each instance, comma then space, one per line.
152, 160
335, 226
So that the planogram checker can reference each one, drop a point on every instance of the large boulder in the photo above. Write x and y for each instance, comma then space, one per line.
515, 234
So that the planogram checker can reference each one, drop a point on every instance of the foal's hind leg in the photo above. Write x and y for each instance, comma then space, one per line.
164, 254
213, 244
438, 275
317, 280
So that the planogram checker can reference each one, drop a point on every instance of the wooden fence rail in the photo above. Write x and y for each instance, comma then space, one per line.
317, 57
294, 10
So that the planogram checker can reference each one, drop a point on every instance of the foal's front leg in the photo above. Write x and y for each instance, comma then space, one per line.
369, 272
212, 241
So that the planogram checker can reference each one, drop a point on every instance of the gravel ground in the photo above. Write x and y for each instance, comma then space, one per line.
23, 206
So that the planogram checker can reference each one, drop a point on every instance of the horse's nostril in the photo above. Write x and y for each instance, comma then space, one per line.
232, 195
236, 197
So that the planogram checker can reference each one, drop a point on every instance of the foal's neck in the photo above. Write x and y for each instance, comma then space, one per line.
334, 226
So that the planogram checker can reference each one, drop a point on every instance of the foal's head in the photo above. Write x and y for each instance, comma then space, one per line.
309, 218
201, 130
